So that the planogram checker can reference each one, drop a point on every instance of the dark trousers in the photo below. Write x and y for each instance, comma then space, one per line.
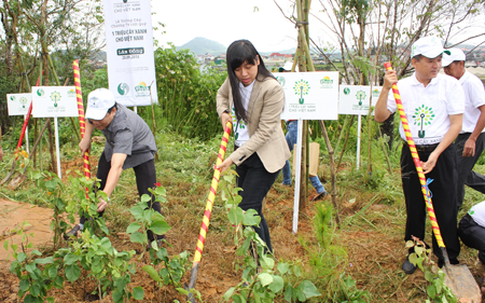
443, 189
472, 235
464, 166
255, 181
146, 178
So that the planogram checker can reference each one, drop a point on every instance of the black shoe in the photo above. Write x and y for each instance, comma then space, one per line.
72, 233
408, 267
319, 196
441, 262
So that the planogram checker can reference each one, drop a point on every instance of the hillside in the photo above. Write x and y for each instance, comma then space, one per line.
202, 46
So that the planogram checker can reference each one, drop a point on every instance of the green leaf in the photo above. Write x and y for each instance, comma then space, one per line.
152, 272
308, 289
265, 279
137, 212
138, 237
228, 293
21, 257
159, 227
24, 285
251, 218
138, 293
431, 291
267, 262
47, 260
72, 272
50, 299
182, 291
283, 268
71, 258
133, 227
277, 284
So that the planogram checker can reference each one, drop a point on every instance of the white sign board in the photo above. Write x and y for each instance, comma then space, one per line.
54, 101
129, 40
18, 104
310, 96
354, 99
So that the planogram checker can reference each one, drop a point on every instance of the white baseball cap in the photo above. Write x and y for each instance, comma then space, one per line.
99, 101
430, 47
456, 54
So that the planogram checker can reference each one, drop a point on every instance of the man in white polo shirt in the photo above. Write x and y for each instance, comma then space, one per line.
434, 105
471, 140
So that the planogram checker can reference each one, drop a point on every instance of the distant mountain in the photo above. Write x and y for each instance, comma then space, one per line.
202, 46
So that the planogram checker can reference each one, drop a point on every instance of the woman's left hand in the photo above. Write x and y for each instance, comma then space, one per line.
224, 165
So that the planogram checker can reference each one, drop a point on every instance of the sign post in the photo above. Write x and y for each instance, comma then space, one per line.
54, 102
19, 105
353, 100
308, 96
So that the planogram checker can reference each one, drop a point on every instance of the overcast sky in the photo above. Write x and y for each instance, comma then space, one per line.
224, 21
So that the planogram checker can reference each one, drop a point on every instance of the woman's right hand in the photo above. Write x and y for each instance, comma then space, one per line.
225, 117
85, 144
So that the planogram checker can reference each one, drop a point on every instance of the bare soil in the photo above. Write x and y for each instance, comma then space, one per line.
374, 254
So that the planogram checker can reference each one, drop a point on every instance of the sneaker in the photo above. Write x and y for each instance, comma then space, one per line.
408, 267
319, 196
72, 233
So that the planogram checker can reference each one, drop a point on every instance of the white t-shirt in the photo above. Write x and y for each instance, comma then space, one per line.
477, 212
474, 98
240, 127
428, 108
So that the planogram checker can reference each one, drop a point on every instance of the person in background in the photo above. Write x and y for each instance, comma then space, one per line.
434, 105
291, 136
253, 100
471, 229
129, 144
471, 140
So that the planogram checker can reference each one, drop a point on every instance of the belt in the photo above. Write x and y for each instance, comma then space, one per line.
424, 148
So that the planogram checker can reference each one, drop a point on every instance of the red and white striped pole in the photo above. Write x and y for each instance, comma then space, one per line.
80, 108
208, 210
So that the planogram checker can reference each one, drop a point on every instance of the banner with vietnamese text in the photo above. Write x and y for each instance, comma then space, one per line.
129, 40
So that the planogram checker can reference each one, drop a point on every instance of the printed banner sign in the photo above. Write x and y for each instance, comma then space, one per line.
310, 96
18, 104
54, 101
354, 99
129, 40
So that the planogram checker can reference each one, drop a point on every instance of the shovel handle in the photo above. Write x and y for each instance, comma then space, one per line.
417, 163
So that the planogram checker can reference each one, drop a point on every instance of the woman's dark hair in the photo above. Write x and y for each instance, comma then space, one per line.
239, 52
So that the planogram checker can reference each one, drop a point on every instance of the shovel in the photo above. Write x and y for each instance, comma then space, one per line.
458, 277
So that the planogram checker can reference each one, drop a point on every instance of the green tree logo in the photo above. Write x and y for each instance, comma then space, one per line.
360, 95
56, 97
423, 116
123, 89
302, 88
23, 101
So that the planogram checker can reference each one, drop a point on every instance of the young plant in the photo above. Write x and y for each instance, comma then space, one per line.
146, 218
111, 269
84, 201
262, 279
437, 291
37, 275
53, 187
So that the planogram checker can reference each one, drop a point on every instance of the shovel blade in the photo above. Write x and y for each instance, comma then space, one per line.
462, 283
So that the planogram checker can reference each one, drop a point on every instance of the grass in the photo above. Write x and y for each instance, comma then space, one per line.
368, 245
